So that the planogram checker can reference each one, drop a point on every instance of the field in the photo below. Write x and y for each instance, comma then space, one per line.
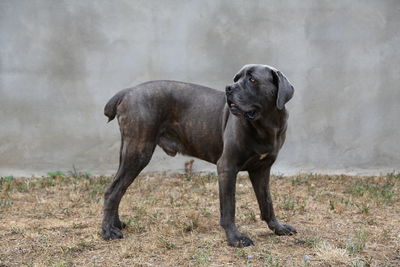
173, 220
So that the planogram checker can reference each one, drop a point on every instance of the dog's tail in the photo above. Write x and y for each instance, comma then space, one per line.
110, 110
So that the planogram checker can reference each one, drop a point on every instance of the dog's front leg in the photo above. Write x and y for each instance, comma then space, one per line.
227, 187
260, 181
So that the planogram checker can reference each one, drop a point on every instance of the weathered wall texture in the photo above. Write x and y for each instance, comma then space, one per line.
60, 61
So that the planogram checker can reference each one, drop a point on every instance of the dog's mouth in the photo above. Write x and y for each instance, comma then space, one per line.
235, 110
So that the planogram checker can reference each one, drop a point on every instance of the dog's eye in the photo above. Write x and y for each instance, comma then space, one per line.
252, 80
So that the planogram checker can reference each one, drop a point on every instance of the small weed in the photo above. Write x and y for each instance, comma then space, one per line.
167, 244
192, 224
331, 205
86, 175
363, 207
205, 212
189, 170
22, 187
357, 244
103, 180
382, 193
211, 177
56, 174
154, 217
393, 176
288, 203
136, 223
362, 262
6, 179
269, 261
74, 173
250, 216
202, 256
310, 242
66, 263
17, 230
47, 182
4, 203
241, 253
96, 193
304, 179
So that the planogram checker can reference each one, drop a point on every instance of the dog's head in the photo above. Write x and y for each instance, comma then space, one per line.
257, 88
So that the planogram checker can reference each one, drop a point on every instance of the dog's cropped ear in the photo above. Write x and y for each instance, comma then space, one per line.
285, 89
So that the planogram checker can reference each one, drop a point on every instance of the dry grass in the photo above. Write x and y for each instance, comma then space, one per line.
173, 221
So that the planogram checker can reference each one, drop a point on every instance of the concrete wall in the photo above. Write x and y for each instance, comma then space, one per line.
60, 61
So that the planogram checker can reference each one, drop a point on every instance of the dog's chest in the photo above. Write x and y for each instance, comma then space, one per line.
257, 160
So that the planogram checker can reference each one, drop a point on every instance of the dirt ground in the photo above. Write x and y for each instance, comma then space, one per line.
173, 220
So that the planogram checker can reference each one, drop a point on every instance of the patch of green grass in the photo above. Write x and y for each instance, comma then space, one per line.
288, 203
96, 192
205, 212
250, 216
22, 187
395, 176
56, 174
137, 223
6, 179
94, 186
47, 182
9, 183
304, 179
356, 244
201, 256
380, 193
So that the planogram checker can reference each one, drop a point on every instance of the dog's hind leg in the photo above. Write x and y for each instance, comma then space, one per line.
135, 154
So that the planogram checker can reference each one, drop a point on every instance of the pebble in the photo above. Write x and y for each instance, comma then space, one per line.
307, 258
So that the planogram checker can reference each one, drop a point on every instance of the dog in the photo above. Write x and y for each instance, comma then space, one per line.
242, 129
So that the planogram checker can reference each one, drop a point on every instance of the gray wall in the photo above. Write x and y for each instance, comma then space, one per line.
62, 60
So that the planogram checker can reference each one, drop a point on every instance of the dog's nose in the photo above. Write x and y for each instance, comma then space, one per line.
228, 89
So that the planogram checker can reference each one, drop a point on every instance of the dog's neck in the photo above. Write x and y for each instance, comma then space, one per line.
273, 120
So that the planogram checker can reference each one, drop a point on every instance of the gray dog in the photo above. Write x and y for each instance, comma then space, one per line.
241, 130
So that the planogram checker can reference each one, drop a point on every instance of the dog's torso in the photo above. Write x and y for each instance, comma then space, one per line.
194, 120
186, 118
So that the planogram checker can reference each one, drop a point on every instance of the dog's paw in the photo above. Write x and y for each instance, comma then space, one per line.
110, 232
119, 224
241, 241
285, 229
